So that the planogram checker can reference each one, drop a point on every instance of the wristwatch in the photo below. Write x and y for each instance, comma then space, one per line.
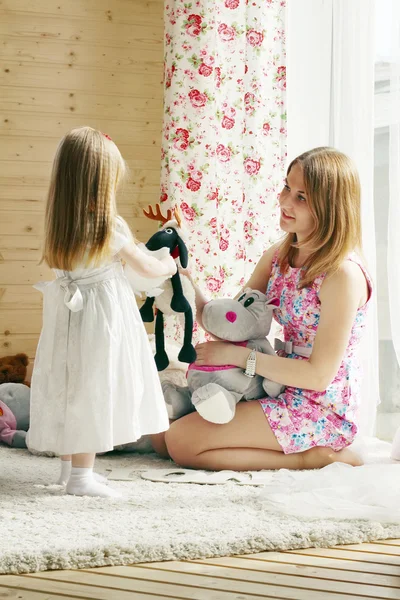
251, 364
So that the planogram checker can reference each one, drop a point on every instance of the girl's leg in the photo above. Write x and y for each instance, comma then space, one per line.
65, 470
82, 481
247, 443
83, 461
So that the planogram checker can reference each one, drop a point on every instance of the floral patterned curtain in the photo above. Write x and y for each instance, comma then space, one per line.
224, 135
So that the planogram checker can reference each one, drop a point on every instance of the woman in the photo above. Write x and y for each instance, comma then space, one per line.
324, 293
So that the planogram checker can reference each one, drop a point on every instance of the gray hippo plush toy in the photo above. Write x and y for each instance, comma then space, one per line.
14, 413
215, 391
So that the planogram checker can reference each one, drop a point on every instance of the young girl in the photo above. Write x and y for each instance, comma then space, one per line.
94, 383
323, 290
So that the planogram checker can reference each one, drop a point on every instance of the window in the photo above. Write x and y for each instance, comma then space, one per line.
388, 418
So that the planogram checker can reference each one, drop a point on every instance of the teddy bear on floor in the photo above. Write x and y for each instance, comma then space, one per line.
215, 391
13, 368
14, 400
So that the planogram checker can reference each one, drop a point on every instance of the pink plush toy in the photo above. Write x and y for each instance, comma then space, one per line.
14, 414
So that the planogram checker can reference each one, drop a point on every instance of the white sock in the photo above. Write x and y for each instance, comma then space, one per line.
65, 472
395, 453
83, 483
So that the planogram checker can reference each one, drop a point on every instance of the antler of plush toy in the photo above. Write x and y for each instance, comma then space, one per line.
158, 216
177, 216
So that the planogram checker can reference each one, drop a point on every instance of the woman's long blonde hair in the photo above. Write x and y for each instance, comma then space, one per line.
81, 202
332, 188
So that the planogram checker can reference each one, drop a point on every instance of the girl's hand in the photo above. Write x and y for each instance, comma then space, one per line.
185, 273
215, 354
170, 264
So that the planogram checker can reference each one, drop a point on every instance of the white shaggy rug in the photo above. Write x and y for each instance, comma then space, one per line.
41, 528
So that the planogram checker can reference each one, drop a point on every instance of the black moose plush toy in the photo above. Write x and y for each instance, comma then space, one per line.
168, 296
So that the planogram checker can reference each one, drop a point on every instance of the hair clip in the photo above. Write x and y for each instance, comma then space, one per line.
107, 136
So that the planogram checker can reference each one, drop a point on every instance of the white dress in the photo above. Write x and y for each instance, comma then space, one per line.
94, 384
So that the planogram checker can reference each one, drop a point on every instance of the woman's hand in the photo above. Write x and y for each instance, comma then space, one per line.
215, 354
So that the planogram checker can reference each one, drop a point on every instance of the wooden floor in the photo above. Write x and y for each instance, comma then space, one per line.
354, 572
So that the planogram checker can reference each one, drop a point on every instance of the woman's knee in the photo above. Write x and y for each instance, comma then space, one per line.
176, 441
159, 445
318, 457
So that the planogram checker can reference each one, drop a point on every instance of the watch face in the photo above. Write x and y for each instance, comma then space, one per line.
251, 366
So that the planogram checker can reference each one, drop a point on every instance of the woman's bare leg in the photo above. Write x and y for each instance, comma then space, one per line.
159, 445
247, 443
158, 442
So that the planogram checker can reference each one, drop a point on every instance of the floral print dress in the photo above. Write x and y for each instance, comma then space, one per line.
300, 418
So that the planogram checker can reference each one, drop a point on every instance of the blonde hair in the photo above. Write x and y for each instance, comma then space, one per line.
332, 188
81, 202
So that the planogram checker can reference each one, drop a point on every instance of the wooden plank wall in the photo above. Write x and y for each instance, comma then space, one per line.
66, 63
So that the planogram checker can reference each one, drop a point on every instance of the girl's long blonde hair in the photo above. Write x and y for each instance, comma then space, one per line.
81, 202
332, 188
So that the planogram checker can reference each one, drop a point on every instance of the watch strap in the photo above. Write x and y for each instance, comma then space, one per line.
250, 370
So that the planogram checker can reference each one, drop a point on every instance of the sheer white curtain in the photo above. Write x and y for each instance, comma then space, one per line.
394, 181
393, 247
330, 95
